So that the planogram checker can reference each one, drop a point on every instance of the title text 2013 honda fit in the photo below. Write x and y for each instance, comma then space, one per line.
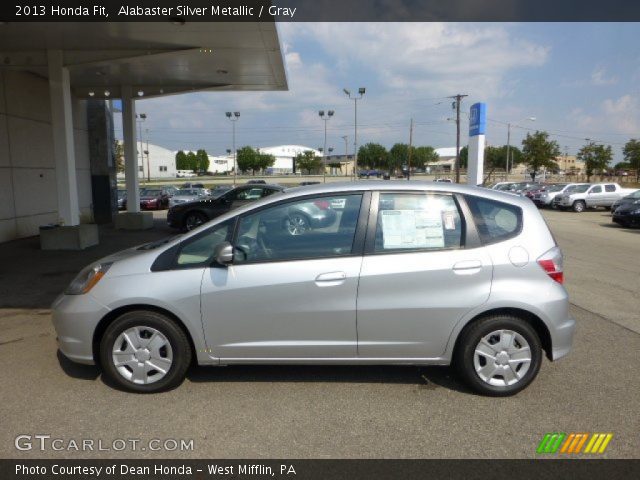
405, 273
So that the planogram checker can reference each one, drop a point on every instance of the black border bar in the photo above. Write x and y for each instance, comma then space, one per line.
575, 469
178, 11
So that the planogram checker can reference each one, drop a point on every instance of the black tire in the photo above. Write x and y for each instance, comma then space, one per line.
470, 338
579, 206
180, 350
193, 220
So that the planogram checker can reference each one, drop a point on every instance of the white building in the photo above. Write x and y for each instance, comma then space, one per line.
284, 155
155, 162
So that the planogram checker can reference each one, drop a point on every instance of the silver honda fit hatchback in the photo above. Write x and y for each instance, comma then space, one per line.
405, 273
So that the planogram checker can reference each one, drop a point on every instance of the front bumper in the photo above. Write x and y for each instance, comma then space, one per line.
75, 318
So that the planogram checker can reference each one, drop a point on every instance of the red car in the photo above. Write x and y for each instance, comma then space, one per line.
154, 199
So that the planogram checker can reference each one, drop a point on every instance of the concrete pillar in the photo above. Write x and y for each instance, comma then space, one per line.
63, 146
131, 174
133, 218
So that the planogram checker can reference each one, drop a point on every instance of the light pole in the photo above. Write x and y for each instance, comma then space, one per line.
355, 99
146, 131
234, 116
141, 117
346, 153
324, 150
531, 119
228, 155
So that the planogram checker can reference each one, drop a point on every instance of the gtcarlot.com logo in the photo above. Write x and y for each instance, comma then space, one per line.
574, 443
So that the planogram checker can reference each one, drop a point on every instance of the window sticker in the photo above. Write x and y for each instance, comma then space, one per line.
412, 229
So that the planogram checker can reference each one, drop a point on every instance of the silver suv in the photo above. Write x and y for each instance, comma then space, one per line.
402, 273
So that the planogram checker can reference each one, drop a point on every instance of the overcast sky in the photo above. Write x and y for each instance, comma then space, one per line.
579, 81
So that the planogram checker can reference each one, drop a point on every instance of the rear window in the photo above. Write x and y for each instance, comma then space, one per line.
609, 188
496, 221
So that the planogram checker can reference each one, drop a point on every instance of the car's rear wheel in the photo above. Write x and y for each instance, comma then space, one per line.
498, 355
579, 206
145, 351
193, 220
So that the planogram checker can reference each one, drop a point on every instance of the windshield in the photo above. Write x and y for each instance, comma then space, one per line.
555, 188
577, 188
187, 192
634, 195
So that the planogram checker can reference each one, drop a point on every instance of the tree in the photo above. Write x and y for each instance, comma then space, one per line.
373, 155
595, 158
181, 161
118, 153
398, 156
192, 161
264, 161
202, 161
420, 156
631, 152
540, 152
308, 161
246, 158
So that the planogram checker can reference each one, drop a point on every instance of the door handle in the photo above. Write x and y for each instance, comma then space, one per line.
467, 267
330, 279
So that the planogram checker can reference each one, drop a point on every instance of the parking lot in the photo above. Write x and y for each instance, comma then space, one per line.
330, 412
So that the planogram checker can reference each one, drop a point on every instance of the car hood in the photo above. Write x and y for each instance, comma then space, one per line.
148, 198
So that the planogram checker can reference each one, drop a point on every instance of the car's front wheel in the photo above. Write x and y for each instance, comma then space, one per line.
498, 355
193, 220
145, 351
579, 206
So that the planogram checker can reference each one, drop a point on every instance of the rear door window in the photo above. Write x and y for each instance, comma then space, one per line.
496, 221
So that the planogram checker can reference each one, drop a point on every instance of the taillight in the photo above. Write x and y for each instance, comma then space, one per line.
322, 204
551, 262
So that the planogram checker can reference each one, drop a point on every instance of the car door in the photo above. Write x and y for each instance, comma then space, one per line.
420, 275
287, 296
610, 195
594, 196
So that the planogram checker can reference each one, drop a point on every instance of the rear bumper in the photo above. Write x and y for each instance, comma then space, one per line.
562, 338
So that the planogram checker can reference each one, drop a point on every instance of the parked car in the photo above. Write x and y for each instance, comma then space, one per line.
545, 198
627, 215
502, 186
443, 180
187, 195
187, 216
256, 182
632, 198
532, 189
154, 199
304, 184
596, 195
193, 185
122, 199
406, 273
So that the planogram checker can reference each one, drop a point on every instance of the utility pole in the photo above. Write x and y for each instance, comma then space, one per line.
458, 98
410, 148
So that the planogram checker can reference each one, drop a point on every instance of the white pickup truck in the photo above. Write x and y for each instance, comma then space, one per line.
591, 196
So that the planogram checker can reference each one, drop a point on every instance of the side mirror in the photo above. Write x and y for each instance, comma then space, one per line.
223, 254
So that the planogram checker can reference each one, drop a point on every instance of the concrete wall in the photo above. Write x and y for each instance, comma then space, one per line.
28, 196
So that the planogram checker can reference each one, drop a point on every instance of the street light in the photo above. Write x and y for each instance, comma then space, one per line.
531, 119
355, 99
141, 117
324, 149
233, 117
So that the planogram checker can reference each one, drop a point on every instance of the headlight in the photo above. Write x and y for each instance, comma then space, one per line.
636, 211
87, 278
